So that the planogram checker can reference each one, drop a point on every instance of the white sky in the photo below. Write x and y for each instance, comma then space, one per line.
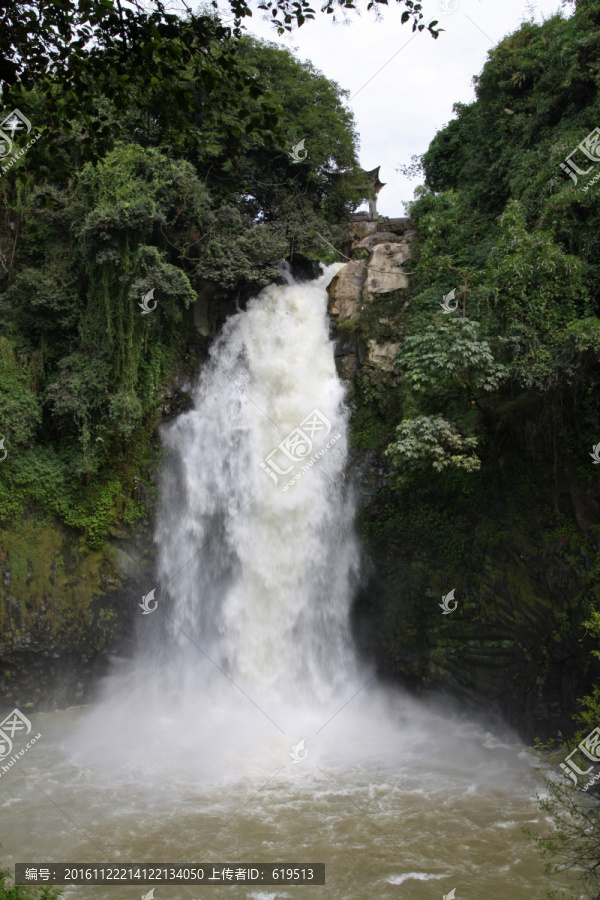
399, 111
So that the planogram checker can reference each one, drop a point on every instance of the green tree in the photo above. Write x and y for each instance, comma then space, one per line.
141, 56
497, 207
573, 844
450, 356
20, 411
80, 253
537, 289
430, 442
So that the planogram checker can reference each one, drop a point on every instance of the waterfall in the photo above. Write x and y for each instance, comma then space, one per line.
257, 566
256, 553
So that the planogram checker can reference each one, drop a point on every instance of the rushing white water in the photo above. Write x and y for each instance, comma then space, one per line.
267, 596
255, 568
188, 755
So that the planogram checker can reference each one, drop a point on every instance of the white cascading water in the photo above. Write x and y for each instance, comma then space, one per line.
260, 574
250, 644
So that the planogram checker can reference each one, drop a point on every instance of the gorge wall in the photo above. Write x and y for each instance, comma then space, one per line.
510, 648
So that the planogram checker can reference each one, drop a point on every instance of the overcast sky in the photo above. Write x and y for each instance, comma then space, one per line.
399, 109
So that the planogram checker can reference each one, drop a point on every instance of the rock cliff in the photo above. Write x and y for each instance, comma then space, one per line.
513, 646
374, 273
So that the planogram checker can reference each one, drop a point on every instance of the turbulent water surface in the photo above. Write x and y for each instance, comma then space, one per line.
188, 754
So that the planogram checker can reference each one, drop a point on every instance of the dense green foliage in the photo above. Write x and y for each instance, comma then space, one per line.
146, 57
82, 368
500, 399
516, 368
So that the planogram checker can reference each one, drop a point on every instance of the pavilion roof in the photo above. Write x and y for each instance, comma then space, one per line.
374, 176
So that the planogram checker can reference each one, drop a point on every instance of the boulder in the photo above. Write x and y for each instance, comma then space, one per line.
361, 228
345, 290
381, 356
384, 273
349, 354
203, 309
382, 237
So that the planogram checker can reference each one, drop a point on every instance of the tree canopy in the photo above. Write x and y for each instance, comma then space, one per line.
143, 56
81, 243
498, 213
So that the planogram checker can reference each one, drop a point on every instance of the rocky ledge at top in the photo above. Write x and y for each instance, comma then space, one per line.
379, 249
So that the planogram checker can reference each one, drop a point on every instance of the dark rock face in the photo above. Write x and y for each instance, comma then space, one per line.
303, 268
349, 354
513, 646
177, 398
52, 652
